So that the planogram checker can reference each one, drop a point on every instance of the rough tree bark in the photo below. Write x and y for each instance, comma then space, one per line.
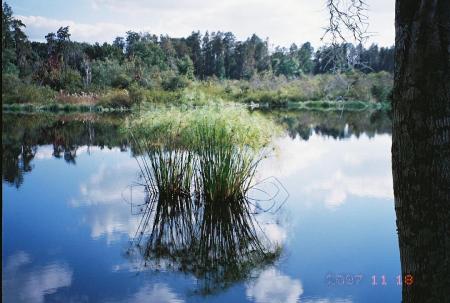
421, 146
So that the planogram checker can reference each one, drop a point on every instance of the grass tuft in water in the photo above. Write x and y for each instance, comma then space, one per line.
198, 216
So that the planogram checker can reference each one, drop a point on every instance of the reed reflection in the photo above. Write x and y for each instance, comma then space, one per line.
198, 217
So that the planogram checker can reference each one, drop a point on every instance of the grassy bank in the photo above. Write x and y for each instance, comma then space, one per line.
351, 91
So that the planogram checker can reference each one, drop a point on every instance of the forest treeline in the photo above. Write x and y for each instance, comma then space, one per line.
148, 61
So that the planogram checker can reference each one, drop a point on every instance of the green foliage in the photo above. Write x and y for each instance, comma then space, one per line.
150, 53
110, 73
334, 87
175, 82
116, 98
186, 67
15, 91
381, 86
71, 80
226, 165
137, 94
159, 96
8, 66
105, 73
152, 63
10, 83
121, 80
380, 93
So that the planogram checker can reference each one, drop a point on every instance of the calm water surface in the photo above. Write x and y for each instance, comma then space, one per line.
68, 221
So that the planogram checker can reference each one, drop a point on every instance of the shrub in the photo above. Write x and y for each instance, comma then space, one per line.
175, 82
162, 97
116, 98
121, 81
109, 73
381, 85
186, 67
71, 80
10, 84
137, 94
379, 92
37, 94
15, 91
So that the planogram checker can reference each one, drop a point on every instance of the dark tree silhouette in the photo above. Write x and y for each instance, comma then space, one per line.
420, 136
421, 146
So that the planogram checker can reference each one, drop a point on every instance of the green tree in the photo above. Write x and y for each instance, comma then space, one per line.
194, 44
304, 57
186, 67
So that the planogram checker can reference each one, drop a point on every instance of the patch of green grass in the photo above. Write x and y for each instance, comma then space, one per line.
117, 98
177, 125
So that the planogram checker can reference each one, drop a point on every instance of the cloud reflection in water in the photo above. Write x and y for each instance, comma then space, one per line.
23, 282
272, 286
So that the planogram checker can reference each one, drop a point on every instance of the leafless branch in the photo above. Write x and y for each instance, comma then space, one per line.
347, 19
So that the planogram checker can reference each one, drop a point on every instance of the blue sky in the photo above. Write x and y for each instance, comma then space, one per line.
282, 21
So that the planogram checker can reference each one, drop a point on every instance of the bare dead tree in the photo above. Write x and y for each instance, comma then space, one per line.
348, 20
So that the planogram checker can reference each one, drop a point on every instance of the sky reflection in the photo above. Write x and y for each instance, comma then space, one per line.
69, 225
328, 171
25, 282
271, 286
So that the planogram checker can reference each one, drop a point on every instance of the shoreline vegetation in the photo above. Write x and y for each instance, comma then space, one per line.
349, 91
142, 70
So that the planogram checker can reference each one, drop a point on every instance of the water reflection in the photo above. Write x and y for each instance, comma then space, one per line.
339, 217
105, 200
67, 134
355, 167
24, 282
158, 292
198, 217
338, 125
271, 286
22, 134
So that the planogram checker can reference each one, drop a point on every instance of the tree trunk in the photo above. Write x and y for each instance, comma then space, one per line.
421, 146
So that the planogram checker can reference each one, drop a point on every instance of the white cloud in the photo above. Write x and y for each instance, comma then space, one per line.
112, 223
39, 26
339, 186
272, 286
107, 200
326, 300
283, 22
330, 170
275, 233
158, 292
100, 188
45, 152
22, 283
16, 261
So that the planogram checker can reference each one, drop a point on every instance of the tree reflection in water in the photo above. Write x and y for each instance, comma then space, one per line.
24, 134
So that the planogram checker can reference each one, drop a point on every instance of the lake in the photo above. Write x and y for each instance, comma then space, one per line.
71, 210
